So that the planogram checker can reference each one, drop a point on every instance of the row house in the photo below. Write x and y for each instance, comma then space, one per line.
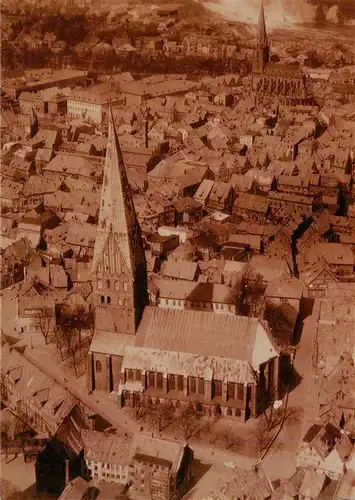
221, 197
188, 210
35, 189
339, 257
154, 212
215, 373
302, 206
317, 278
251, 207
293, 184
181, 294
324, 450
10, 193
13, 261
336, 394
33, 395
155, 467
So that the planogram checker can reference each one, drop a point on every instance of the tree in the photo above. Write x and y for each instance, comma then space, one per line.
5, 436
162, 415
262, 434
229, 438
189, 422
71, 324
253, 293
139, 408
44, 321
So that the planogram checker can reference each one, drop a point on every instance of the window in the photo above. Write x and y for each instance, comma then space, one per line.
151, 379
180, 383
98, 367
129, 374
217, 385
108, 283
171, 382
192, 385
102, 299
201, 386
230, 390
174, 302
159, 380
238, 413
166, 302
240, 391
109, 300
138, 375
125, 303
117, 285
125, 287
229, 412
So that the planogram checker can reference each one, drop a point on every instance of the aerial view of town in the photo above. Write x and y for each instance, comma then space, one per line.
177, 248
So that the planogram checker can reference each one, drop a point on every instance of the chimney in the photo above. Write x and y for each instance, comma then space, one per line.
67, 474
146, 134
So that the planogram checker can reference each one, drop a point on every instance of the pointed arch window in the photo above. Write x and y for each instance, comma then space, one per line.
108, 283
125, 286
98, 367
108, 300
102, 299
125, 303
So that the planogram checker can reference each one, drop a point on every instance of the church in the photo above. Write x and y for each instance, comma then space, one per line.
219, 363
276, 80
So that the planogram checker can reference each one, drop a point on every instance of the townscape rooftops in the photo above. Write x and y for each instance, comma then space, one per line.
75, 490
51, 398
291, 288
270, 268
185, 270
107, 448
194, 292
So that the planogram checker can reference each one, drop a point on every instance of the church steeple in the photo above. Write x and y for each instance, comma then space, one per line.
262, 36
119, 268
261, 57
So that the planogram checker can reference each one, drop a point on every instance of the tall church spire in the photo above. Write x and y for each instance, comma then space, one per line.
119, 270
117, 212
262, 36
261, 57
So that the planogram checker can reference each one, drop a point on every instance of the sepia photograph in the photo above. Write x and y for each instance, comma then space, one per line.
177, 250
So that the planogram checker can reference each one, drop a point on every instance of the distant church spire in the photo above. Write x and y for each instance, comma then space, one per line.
119, 268
261, 57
